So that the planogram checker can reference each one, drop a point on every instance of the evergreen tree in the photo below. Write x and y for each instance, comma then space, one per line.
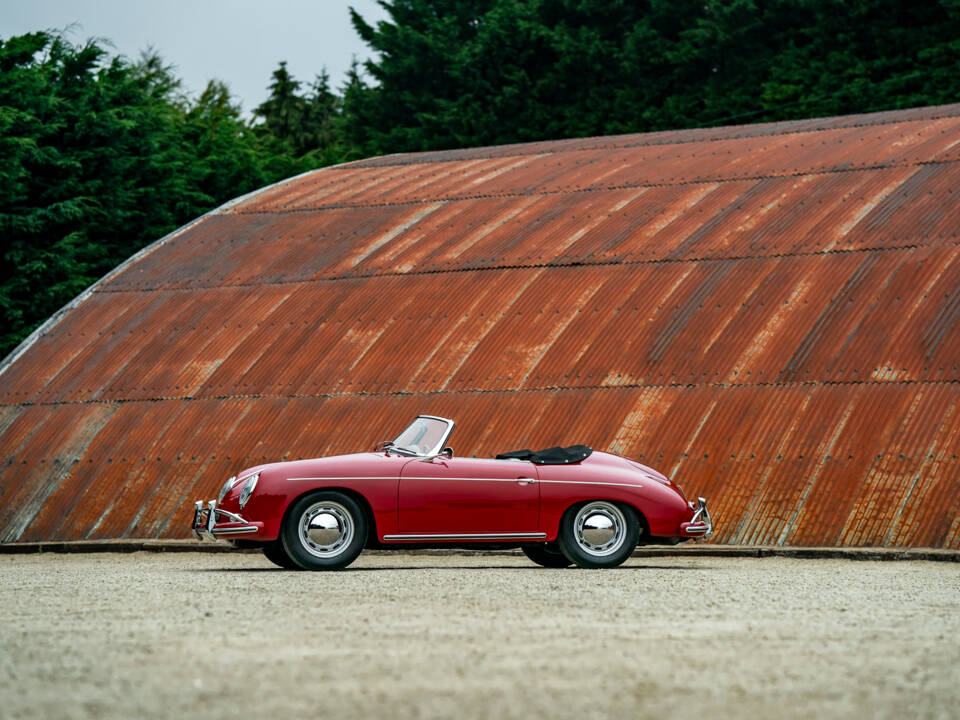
323, 107
285, 113
453, 73
355, 121
101, 157
227, 157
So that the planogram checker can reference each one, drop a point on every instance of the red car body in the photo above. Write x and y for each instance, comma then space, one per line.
433, 498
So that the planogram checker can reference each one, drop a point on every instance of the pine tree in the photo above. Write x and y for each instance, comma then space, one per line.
453, 73
284, 112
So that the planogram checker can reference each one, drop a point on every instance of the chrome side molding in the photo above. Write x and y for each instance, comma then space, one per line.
465, 536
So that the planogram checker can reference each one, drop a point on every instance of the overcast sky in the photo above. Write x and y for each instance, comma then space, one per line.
237, 41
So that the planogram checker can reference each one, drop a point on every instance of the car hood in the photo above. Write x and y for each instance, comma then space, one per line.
354, 464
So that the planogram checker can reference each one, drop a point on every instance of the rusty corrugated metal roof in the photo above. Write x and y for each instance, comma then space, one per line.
769, 313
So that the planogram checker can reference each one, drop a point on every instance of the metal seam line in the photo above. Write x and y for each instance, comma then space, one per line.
548, 266
479, 391
599, 188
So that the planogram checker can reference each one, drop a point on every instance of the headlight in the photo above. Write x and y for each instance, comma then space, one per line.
248, 488
227, 487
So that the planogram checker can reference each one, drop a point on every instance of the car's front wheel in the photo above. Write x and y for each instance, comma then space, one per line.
598, 534
325, 530
548, 555
275, 553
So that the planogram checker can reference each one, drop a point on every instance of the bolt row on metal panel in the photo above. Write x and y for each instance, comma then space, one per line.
768, 313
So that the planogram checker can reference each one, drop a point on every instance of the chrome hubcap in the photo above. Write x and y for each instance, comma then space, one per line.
326, 529
600, 528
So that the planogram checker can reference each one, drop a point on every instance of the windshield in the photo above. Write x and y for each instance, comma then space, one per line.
424, 436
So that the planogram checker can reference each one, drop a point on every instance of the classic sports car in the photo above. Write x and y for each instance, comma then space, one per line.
562, 506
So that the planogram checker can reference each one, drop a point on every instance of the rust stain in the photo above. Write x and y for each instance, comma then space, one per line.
393, 232
769, 312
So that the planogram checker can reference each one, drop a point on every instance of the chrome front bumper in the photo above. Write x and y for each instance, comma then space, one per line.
700, 524
205, 522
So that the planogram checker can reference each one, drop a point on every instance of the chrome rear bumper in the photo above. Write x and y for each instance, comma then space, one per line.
205, 522
700, 524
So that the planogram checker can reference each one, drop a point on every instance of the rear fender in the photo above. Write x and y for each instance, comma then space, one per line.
660, 507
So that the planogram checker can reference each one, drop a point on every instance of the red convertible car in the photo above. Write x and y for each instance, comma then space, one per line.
562, 506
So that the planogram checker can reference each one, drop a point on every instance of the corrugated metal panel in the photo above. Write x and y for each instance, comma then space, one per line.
672, 137
769, 313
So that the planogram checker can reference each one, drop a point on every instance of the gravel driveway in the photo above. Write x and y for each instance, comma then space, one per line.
425, 636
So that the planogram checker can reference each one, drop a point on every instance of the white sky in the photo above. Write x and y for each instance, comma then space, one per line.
237, 41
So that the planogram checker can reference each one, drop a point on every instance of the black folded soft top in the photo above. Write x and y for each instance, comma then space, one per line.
551, 456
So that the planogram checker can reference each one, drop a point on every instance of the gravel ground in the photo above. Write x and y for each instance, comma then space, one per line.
151, 635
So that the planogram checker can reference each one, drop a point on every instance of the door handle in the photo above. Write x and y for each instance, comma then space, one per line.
525, 481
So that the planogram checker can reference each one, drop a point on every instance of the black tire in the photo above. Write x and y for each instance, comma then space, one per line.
547, 555
586, 540
310, 538
278, 556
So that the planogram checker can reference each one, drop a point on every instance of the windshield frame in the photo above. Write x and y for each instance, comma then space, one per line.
434, 450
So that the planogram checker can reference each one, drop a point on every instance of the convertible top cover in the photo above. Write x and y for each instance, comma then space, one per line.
551, 456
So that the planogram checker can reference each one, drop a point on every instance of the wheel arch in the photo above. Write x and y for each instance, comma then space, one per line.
637, 512
360, 499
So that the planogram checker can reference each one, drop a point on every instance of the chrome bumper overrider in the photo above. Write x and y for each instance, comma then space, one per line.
205, 522
700, 524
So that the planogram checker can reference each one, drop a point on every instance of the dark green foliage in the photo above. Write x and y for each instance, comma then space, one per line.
301, 131
455, 73
101, 156
285, 111
228, 160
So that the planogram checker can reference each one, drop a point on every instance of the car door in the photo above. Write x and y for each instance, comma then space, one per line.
469, 496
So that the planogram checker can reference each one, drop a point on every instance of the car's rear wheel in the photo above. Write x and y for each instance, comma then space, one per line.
278, 556
548, 555
325, 530
598, 534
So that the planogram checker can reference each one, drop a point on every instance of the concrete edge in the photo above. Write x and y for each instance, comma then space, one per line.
733, 551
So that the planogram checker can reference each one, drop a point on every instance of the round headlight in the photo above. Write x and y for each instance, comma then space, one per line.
227, 486
248, 488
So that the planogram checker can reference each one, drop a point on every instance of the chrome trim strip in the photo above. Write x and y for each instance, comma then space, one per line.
512, 480
352, 477
236, 530
409, 477
590, 482
417, 477
467, 536
461, 479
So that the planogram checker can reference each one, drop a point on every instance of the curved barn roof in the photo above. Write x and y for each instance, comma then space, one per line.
769, 313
